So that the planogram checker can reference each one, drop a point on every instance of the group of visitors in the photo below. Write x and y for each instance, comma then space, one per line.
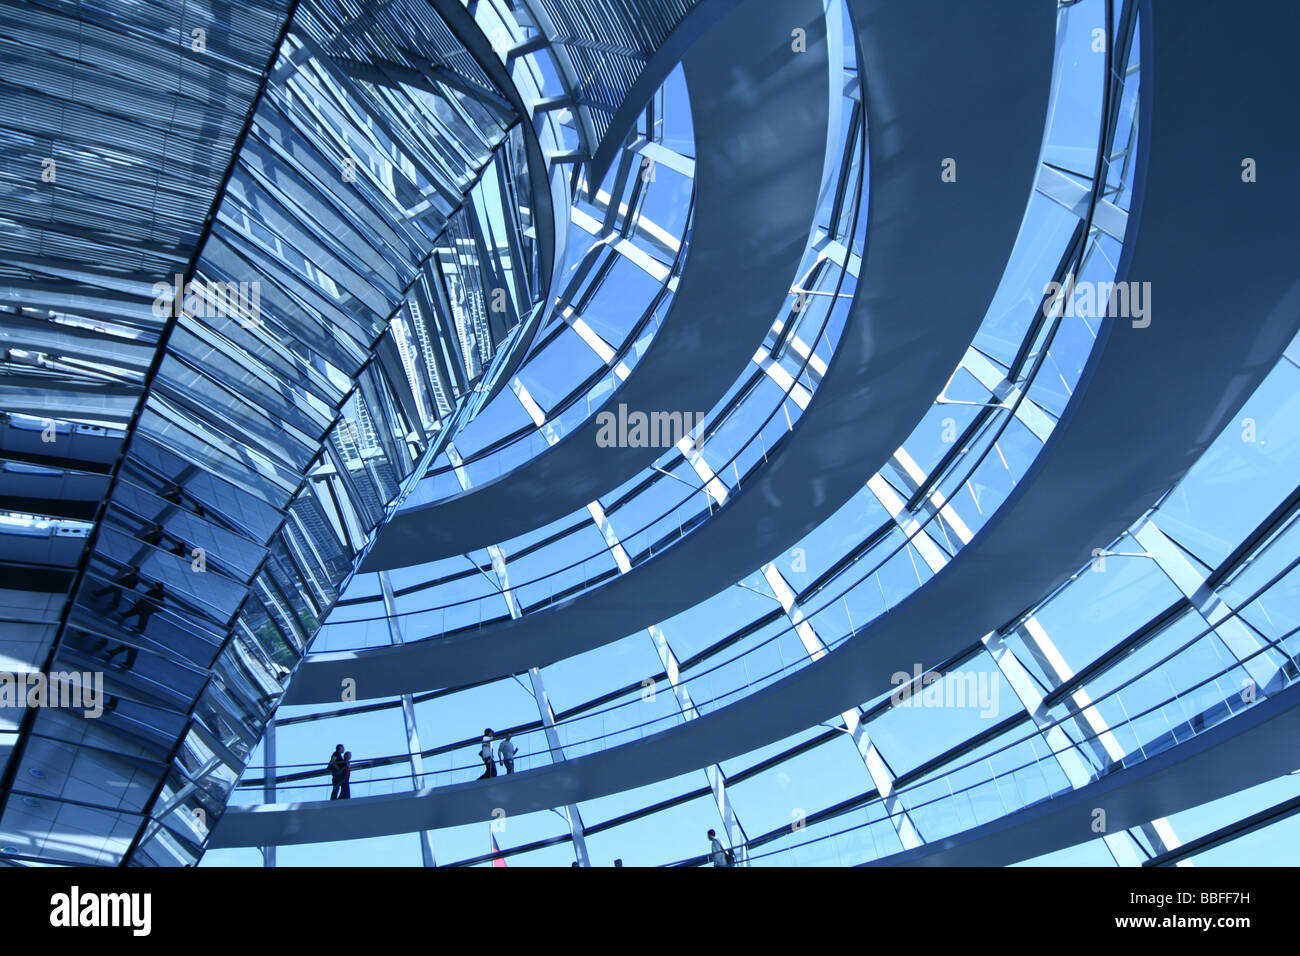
123, 584
143, 606
505, 752
340, 763
340, 768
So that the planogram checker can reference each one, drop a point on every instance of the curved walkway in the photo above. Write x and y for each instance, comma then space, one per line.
1250, 749
1150, 402
1239, 753
760, 113
931, 94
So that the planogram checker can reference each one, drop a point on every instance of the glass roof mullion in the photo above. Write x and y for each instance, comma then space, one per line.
854, 724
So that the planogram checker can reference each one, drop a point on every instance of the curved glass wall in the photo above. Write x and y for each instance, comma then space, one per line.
256, 322
936, 492
1169, 670
443, 294
626, 261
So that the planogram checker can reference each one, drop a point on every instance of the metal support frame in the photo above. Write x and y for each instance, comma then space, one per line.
268, 784
1078, 770
735, 836
408, 717
854, 720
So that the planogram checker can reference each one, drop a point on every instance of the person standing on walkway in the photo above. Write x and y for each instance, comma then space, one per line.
336, 772
507, 753
485, 754
346, 776
717, 852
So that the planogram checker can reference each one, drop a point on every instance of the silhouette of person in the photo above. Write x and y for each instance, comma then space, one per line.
123, 583
720, 855
176, 495
485, 753
506, 750
336, 772
346, 776
151, 534
146, 605
127, 662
